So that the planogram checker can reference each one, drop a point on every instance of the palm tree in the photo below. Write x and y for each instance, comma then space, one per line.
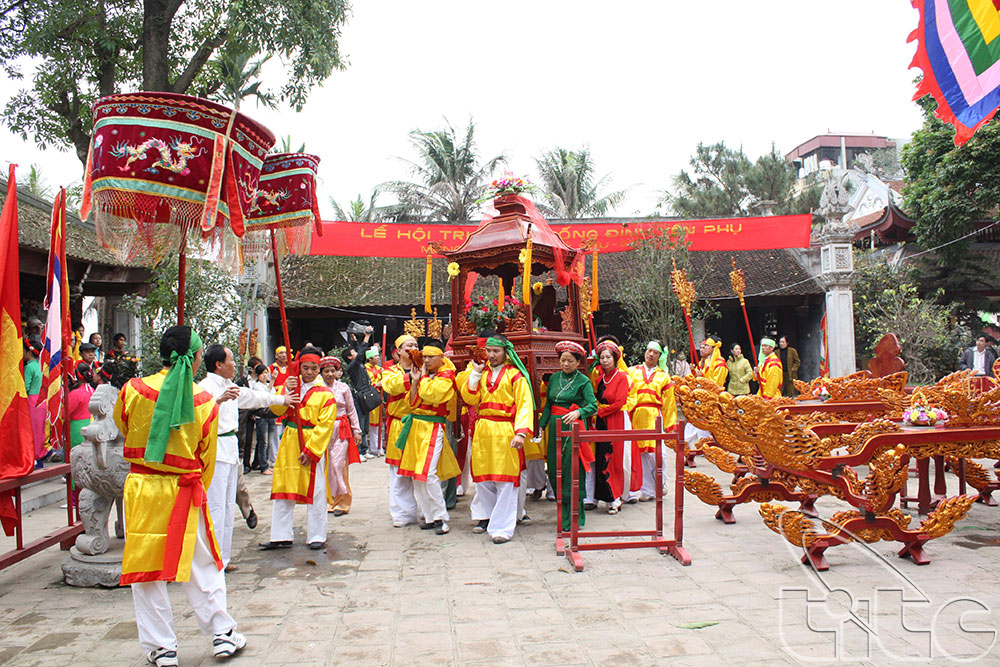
237, 78
35, 183
286, 146
449, 179
571, 186
358, 211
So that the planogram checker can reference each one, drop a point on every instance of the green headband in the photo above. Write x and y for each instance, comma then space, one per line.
175, 402
662, 362
767, 341
514, 359
370, 353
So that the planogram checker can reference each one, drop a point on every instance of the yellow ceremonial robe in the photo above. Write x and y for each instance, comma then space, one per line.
435, 397
504, 410
650, 395
318, 414
162, 501
771, 377
538, 451
396, 385
374, 374
714, 368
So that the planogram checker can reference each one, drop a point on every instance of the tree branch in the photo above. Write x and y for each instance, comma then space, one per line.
199, 59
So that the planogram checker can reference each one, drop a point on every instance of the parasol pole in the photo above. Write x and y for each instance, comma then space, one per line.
739, 282
382, 436
293, 365
684, 289
181, 273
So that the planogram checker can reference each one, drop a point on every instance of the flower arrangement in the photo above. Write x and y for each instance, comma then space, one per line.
484, 314
453, 270
920, 414
509, 184
821, 392
537, 288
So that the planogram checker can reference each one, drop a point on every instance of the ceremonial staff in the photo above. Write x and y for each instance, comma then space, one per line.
684, 289
739, 283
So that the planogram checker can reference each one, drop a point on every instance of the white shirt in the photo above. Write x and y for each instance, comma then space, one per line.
229, 412
979, 361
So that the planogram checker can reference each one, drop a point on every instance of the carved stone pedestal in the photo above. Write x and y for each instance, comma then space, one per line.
100, 571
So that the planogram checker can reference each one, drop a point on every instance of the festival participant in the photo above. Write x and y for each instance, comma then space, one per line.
651, 396
278, 372
33, 386
569, 397
612, 394
79, 403
427, 458
97, 340
769, 374
396, 385
221, 367
170, 428
88, 355
76, 341
343, 449
502, 395
536, 453
740, 371
790, 363
596, 372
375, 446
300, 468
712, 365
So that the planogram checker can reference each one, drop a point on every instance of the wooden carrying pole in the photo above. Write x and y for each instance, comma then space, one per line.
739, 283
292, 363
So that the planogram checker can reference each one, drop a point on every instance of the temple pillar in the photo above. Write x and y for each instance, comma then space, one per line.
836, 266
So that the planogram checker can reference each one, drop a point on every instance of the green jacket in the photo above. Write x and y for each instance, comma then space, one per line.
740, 374
32, 377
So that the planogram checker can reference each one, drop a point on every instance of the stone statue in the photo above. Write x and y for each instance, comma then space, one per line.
99, 471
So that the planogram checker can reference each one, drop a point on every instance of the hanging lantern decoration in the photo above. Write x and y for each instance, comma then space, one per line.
526, 274
427, 281
595, 303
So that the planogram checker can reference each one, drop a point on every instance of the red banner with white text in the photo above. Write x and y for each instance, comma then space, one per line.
364, 239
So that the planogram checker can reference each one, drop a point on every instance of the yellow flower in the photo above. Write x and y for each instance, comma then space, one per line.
537, 288
522, 256
453, 270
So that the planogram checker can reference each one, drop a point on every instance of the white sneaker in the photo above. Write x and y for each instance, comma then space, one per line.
369, 456
162, 657
225, 646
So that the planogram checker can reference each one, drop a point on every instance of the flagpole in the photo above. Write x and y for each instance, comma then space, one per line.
66, 365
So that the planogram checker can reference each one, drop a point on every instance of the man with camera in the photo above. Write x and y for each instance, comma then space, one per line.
366, 397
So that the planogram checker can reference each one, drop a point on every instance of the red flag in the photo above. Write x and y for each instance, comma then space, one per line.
55, 359
17, 456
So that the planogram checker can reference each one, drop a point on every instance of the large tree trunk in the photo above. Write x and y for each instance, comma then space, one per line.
157, 16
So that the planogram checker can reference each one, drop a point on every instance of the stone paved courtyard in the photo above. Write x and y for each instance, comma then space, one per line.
381, 595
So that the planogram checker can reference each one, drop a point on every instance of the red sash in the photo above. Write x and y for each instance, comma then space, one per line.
586, 453
344, 432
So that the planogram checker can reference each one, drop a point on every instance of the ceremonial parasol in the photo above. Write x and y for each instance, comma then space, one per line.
161, 165
281, 208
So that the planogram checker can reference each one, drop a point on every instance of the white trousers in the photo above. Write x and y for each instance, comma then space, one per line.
373, 444
534, 474
272, 454
693, 435
283, 514
589, 483
429, 496
496, 501
522, 495
206, 591
649, 472
221, 495
402, 504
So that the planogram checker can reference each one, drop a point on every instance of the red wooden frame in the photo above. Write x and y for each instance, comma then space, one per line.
65, 537
572, 550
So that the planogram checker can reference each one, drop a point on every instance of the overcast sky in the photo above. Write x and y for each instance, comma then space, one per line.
640, 83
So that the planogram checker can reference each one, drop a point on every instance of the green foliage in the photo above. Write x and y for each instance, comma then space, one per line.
213, 305
887, 300
86, 49
652, 311
35, 184
725, 183
571, 185
950, 189
357, 210
449, 177
238, 78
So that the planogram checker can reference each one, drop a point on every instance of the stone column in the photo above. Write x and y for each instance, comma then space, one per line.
836, 266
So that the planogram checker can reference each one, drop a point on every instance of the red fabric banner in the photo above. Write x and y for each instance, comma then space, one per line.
17, 449
365, 239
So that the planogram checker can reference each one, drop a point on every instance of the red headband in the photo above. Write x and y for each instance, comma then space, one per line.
610, 347
304, 358
330, 361
570, 346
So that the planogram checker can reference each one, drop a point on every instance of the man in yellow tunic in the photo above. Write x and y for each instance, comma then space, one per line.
712, 365
770, 374
396, 386
426, 457
375, 446
651, 395
300, 469
502, 395
170, 426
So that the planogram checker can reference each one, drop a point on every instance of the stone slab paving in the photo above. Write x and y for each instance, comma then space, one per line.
380, 595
